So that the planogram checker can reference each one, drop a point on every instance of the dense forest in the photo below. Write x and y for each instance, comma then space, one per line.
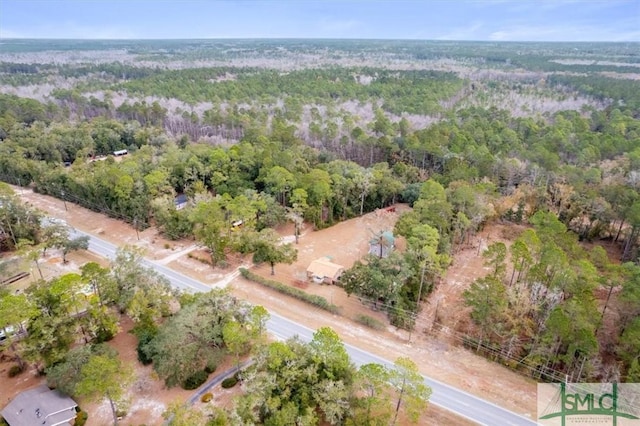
264, 132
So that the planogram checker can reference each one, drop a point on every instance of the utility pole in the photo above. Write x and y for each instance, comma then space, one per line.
64, 201
415, 319
435, 314
135, 226
424, 267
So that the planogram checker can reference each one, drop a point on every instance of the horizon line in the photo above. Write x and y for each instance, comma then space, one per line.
309, 38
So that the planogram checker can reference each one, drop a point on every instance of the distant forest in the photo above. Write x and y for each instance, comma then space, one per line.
264, 131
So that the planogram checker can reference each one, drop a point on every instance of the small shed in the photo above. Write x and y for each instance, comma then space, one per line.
180, 201
323, 270
40, 406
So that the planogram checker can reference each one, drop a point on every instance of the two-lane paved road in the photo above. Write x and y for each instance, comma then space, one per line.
445, 396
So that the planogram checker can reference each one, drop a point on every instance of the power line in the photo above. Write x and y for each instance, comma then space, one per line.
418, 321
463, 339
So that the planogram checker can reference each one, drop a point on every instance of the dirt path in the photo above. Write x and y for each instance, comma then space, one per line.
344, 243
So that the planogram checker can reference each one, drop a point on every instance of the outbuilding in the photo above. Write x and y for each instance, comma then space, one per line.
180, 201
382, 244
323, 270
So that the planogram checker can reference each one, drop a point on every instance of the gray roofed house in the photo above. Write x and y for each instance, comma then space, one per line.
40, 406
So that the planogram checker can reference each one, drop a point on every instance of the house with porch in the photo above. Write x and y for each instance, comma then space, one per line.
40, 406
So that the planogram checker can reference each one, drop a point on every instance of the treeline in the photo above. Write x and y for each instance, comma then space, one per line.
416, 92
18, 68
537, 311
556, 162
276, 164
626, 92
15, 110
529, 55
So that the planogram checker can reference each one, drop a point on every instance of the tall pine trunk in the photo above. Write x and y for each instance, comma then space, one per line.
113, 410
395, 417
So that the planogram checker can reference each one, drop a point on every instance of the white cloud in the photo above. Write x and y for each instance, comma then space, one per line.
75, 30
564, 33
499, 36
5, 33
337, 26
71, 30
549, 5
463, 33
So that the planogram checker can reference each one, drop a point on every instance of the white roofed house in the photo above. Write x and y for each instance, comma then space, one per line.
40, 406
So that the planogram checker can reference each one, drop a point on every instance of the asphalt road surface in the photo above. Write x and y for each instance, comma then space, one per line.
445, 396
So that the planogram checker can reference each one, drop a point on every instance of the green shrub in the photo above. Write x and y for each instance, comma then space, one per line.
105, 334
143, 356
218, 418
195, 380
81, 418
373, 323
145, 334
3, 422
401, 319
210, 368
15, 370
229, 382
206, 397
317, 301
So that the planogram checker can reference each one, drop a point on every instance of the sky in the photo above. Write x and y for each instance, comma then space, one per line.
490, 20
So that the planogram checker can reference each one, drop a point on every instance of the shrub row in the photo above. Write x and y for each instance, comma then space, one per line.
370, 322
317, 301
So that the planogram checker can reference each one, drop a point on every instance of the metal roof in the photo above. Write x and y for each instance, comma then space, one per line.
40, 406
324, 268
